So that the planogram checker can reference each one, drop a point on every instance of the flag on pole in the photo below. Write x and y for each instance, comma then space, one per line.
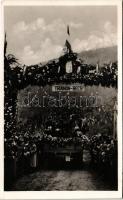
68, 31
68, 45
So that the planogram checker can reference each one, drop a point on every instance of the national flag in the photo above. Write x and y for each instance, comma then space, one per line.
68, 45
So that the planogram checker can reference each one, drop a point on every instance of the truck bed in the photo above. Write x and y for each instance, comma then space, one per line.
67, 153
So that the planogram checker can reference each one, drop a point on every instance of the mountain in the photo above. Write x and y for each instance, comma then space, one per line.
101, 55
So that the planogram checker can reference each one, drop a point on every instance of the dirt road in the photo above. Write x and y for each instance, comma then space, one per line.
61, 180
85, 178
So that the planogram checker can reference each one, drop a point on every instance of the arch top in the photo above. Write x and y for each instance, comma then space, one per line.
68, 68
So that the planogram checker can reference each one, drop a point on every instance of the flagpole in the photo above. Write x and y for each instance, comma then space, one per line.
68, 34
67, 46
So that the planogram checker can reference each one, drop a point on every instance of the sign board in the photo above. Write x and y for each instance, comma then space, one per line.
65, 88
67, 158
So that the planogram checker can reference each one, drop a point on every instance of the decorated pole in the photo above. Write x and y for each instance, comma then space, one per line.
10, 93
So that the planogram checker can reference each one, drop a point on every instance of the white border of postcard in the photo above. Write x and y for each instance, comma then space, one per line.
62, 194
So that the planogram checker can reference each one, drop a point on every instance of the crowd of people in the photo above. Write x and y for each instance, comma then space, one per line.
103, 150
21, 152
87, 121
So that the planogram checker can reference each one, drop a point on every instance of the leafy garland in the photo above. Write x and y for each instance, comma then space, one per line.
55, 72
61, 141
25, 144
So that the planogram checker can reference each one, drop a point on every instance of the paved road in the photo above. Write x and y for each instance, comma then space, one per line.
69, 179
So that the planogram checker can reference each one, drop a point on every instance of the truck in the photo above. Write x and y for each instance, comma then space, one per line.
63, 153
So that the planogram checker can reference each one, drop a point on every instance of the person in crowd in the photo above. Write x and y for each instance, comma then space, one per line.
33, 155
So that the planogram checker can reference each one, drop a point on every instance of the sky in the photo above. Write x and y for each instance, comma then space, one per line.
38, 33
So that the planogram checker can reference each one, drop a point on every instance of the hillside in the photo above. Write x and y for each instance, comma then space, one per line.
102, 55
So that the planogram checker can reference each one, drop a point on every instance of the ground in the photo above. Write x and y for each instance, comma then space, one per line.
70, 179
61, 180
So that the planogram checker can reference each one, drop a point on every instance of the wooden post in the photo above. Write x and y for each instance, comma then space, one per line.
97, 67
